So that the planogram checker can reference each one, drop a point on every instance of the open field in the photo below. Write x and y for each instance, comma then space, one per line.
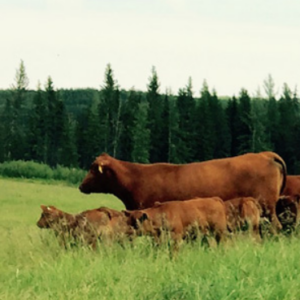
33, 266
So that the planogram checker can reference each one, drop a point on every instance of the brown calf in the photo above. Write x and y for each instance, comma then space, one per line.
86, 227
181, 218
243, 213
249, 175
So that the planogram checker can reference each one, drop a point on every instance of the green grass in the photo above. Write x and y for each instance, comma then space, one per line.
33, 266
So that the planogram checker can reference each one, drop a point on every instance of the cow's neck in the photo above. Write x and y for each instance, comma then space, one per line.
124, 179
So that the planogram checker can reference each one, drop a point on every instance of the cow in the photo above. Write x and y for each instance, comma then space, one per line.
86, 227
292, 186
243, 213
138, 186
287, 210
182, 219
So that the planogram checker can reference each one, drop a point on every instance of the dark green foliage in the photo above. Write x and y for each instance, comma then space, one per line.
71, 127
244, 123
205, 136
30, 169
128, 117
141, 135
155, 118
110, 108
288, 121
186, 134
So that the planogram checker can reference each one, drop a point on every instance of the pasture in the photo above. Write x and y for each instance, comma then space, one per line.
33, 266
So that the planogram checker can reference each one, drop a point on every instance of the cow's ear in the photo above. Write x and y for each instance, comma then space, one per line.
44, 207
127, 213
102, 164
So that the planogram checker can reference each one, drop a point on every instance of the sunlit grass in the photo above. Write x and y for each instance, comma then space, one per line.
34, 266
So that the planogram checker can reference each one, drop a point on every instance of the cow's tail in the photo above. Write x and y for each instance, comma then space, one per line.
279, 160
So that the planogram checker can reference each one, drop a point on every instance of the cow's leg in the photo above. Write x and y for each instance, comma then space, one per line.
271, 212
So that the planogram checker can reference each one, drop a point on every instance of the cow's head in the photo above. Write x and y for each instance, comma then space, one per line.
50, 215
139, 220
98, 178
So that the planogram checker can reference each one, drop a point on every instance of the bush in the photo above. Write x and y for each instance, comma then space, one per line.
34, 170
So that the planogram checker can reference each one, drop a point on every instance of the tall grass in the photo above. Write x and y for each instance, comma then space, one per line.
34, 170
34, 266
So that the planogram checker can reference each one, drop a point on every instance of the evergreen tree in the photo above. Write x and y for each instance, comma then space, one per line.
17, 121
55, 123
165, 130
173, 141
155, 121
244, 123
129, 113
186, 124
141, 135
259, 116
204, 126
289, 114
109, 113
232, 117
220, 131
37, 129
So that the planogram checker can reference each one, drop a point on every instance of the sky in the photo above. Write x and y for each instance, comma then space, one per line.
232, 44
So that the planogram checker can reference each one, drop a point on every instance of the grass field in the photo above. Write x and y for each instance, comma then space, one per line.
33, 266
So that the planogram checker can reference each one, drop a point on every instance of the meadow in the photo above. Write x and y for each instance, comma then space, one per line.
34, 266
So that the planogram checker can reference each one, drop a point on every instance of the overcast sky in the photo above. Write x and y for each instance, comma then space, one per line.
232, 44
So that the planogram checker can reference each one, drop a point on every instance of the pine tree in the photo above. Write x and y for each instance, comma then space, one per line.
289, 113
232, 117
244, 123
155, 121
186, 123
110, 108
141, 135
36, 136
204, 126
220, 130
55, 123
259, 116
17, 121
129, 113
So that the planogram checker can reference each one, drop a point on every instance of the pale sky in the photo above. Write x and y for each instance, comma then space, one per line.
232, 44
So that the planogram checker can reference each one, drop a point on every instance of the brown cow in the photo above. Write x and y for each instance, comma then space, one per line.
287, 210
292, 186
181, 219
243, 213
86, 227
260, 175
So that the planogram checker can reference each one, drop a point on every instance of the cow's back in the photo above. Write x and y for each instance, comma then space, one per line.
251, 175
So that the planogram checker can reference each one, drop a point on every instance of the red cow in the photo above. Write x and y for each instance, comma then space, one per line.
257, 175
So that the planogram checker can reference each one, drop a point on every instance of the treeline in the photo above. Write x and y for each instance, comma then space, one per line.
71, 127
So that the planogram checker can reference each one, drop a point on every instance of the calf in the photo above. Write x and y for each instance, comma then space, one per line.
287, 210
181, 218
243, 213
87, 226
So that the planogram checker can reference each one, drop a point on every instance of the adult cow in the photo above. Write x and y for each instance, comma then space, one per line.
292, 186
259, 175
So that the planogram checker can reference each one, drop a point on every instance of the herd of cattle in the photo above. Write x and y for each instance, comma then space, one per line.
214, 197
